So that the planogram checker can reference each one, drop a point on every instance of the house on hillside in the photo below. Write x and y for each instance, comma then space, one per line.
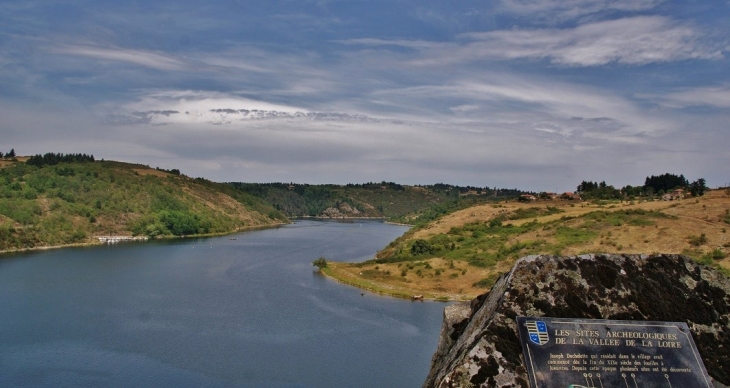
527, 198
674, 195
571, 196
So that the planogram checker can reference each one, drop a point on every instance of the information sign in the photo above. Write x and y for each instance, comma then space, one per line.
590, 353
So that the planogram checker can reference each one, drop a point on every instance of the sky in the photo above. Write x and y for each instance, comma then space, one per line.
537, 95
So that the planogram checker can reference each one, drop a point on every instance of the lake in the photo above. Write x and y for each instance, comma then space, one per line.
246, 310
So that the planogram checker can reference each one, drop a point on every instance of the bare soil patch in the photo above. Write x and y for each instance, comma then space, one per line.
150, 171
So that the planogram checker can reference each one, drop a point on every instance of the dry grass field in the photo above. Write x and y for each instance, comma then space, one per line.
696, 227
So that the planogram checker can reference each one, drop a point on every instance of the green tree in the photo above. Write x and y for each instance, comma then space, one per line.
421, 247
180, 223
587, 186
10, 154
665, 182
320, 263
631, 191
697, 188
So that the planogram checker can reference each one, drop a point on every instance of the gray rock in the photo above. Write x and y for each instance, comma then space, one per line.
483, 348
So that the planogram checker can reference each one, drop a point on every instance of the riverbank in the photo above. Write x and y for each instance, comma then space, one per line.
331, 272
398, 224
436, 279
344, 218
95, 241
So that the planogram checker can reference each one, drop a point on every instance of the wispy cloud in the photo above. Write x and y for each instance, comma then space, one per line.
531, 101
634, 41
139, 57
712, 96
557, 11
631, 41
186, 106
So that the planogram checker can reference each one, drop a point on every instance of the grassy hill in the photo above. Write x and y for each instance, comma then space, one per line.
459, 255
70, 203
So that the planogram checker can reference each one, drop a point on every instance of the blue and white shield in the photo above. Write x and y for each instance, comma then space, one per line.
538, 332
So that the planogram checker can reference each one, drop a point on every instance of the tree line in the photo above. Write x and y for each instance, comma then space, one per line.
52, 159
653, 185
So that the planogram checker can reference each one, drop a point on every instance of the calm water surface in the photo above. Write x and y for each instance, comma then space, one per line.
211, 312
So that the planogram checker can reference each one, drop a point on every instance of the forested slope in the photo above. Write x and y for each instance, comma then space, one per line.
60, 202
401, 203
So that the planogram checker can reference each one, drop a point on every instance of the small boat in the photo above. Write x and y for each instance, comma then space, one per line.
417, 297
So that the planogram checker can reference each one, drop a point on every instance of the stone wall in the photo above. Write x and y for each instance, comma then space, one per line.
479, 344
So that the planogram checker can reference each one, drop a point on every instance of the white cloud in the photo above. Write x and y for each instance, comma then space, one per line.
634, 41
201, 100
713, 96
631, 41
529, 103
186, 106
211, 108
138, 57
556, 11
415, 44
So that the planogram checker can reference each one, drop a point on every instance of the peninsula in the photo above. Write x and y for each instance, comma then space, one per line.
459, 255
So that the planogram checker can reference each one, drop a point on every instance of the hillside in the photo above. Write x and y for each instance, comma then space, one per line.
459, 255
71, 203
398, 203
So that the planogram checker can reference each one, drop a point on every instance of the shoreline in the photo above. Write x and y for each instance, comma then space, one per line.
399, 224
383, 290
99, 243
338, 218
326, 273
384, 219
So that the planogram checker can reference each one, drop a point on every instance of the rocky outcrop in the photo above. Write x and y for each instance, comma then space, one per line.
344, 210
479, 344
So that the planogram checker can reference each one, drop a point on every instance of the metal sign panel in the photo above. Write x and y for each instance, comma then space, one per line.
593, 353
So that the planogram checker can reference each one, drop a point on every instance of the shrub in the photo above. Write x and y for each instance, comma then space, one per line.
422, 247
717, 254
320, 263
641, 222
698, 240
